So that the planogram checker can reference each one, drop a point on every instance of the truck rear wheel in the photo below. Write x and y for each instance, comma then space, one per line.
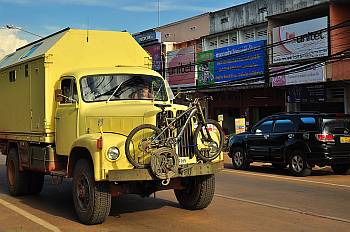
92, 200
198, 193
17, 181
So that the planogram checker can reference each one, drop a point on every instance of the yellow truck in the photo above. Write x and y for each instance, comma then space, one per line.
68, 104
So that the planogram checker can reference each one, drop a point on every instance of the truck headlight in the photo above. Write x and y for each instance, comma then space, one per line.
113, 153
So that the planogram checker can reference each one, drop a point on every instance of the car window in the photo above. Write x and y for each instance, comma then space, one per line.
265, 127
336, 125
308, 123
283, 125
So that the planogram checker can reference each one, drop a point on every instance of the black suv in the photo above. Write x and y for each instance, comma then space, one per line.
300, 140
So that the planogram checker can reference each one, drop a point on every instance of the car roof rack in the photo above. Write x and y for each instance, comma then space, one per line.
296, 112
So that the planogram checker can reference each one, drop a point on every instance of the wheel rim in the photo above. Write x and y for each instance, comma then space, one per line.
297, 163
83, 192
238, 158
11, 172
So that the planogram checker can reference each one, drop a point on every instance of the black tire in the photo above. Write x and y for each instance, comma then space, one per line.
298, 165
92, 200
198, 194
145, 133
239, 158
17, 181
212, 152
279, 165
341, 169
36, 182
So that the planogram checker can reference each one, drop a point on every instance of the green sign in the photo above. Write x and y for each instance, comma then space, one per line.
205, 68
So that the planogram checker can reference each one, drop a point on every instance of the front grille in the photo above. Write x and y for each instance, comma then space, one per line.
160, 121
185, 148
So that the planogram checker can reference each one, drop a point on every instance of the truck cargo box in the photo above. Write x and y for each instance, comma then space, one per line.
29, 75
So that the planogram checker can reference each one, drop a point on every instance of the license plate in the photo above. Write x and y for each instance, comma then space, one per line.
184, 160
344, 139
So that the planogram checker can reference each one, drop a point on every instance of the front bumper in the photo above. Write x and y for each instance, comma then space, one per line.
146, 174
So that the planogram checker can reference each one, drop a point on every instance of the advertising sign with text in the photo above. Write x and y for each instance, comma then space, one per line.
155, 50
313, 75
311, 40
231, 63
180, 70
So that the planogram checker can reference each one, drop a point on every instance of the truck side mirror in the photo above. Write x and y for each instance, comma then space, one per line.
58, 95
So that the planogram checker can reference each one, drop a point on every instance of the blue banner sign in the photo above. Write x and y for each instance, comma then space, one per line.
239, 62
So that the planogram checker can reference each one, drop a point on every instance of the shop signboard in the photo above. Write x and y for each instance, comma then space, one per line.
231, 63
239, 125
288, 77
306, 40
205, 68
147, 36
155, 52
307, 94
180, 71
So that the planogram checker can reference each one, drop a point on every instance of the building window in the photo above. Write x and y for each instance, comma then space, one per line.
213, 43
223, 41
248, 35
224, 20
261, 34
233, 38
12, 76
26, 70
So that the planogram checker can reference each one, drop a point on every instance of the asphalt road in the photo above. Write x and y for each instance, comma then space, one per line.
262, 199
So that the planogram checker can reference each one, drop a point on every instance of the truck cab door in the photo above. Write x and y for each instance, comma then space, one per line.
66, 116
257, 142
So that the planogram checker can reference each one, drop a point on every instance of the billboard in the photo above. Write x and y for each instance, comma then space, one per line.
312, 75
147, 36
155, 52
231, 63
309, 41
180, 71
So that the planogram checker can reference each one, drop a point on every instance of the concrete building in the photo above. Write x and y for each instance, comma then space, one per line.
263, 57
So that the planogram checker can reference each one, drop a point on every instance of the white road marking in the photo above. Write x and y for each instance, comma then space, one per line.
30, 216
287, 178
284, 208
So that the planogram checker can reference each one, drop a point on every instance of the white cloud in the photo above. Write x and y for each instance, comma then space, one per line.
9, 41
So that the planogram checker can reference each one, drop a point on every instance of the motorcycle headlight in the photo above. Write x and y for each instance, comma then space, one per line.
113, 153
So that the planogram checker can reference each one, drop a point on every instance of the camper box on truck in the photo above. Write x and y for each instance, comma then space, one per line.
67, 105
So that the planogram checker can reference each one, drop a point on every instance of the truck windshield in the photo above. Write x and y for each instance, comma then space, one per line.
122, 87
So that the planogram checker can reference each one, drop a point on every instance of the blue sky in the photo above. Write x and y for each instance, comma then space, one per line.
44, 17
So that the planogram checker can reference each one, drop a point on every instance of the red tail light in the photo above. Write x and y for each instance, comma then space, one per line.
99, 143
325, 137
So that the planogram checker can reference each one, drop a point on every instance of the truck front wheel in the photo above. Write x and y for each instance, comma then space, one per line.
198, 192
92, 200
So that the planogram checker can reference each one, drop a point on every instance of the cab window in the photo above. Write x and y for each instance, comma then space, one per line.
69, 91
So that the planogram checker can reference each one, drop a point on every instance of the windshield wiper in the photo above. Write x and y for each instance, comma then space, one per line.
116, 89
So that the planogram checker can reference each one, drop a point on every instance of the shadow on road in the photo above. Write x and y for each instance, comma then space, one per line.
268, 169
57, 200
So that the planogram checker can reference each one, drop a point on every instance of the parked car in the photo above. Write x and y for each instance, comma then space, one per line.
298, 140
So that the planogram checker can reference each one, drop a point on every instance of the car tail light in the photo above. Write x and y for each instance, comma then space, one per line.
325, 137
99, 143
